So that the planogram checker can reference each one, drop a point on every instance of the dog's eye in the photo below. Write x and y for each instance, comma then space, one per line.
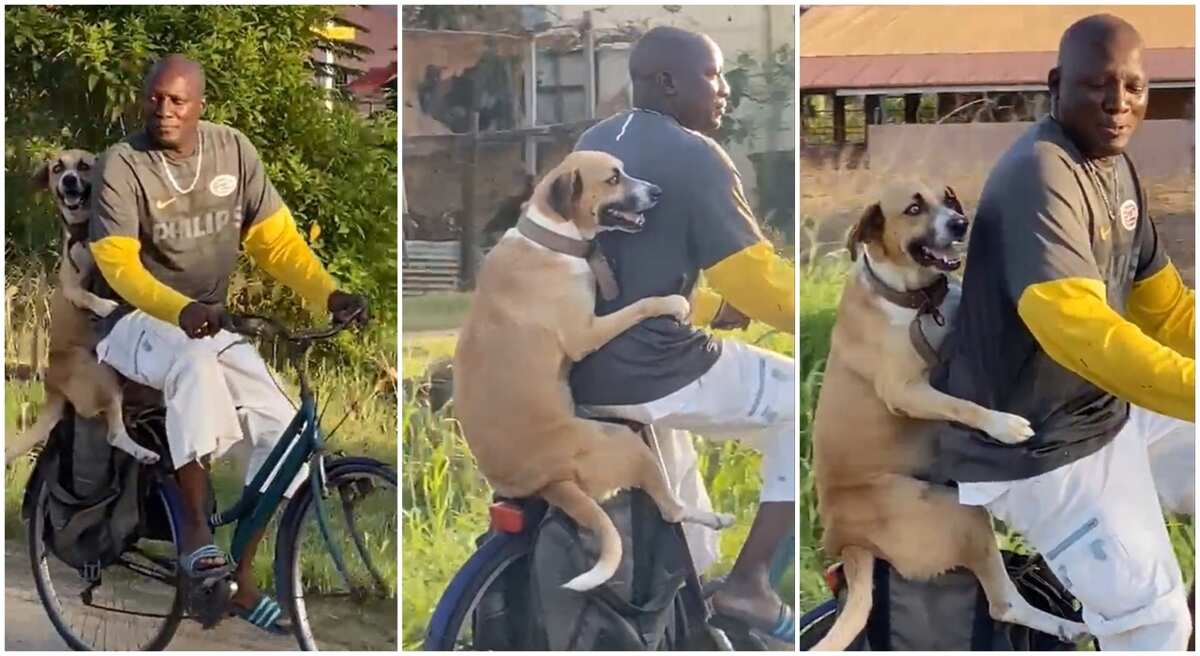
58, 167
912, 210
614, 180
83, 166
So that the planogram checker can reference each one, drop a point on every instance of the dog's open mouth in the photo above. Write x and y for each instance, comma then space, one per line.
943, 259
615, 217
74, 199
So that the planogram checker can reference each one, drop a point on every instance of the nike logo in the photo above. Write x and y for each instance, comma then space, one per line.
160, 204
1105, 231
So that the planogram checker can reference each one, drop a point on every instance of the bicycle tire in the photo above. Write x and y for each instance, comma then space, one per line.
40, 560
288, 575
462, 595
814, 624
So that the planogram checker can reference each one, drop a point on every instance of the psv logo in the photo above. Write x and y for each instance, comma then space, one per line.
1129, 215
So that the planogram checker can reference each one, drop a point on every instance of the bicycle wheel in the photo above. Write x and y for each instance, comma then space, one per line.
136, 605
452, 625
815, 624
328, 609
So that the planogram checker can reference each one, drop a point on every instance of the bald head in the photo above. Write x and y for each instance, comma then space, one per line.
1099, 89
172, 100
679, 73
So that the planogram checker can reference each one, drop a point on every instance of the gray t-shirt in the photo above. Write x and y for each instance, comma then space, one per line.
1041, 218
702, 218
190, 241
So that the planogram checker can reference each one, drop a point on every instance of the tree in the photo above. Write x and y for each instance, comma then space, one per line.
74, 75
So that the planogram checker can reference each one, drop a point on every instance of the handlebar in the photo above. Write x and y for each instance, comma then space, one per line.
257, 326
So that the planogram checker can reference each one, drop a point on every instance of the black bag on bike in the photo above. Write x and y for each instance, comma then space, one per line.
950, 611
642, 607
95, 494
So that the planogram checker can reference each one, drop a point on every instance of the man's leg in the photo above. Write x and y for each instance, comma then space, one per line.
200, 412
748, 395
264, 413
1098, 522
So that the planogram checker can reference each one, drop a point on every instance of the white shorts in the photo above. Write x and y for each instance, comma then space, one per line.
1099, 523
217, 390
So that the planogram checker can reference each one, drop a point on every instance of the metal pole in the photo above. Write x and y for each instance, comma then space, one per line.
531, 97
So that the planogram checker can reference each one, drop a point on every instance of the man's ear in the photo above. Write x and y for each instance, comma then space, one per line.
1053, 78
565, 191
666, 83
41, 176
868, 229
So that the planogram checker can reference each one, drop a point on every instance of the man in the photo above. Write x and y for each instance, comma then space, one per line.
175, 202
1074, 317
672, 375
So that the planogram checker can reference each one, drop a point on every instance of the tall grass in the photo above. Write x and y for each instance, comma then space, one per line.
445, 498
820, 290
356, 388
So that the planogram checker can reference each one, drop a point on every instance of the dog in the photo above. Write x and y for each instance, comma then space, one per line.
871, 439
531, 317
74, 374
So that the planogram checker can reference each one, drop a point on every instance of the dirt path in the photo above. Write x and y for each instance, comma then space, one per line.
27, 628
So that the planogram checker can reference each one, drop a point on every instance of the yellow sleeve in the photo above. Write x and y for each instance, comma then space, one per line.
275, 245
119, 260
1075, 326
759, 283
705, 305
1165, 309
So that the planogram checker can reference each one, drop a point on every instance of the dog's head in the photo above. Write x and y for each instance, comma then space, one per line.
912, 225
68, 175
592, 190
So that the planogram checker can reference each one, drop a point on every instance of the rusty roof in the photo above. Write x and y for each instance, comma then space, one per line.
842, 31
903, 47
1010, 69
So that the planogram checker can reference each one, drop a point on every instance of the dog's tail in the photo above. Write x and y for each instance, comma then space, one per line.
587, 513
48, 416
858, 564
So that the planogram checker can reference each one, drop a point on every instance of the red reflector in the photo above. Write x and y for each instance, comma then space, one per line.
833, 575
506, 517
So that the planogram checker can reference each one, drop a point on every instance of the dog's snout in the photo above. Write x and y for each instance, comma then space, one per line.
957, 226
655, 193
70, 181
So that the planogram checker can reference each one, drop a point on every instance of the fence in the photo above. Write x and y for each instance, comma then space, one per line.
430, 266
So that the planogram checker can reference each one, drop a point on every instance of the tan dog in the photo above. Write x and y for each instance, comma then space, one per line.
74, 373
870, 439
532, 316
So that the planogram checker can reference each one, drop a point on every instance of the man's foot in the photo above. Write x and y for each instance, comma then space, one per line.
204, 561
756, 608
264, 613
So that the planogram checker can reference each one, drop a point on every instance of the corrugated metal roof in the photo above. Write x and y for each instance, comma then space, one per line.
973, 70
919, 30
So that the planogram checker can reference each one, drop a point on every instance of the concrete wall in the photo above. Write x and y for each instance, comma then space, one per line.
1161, 149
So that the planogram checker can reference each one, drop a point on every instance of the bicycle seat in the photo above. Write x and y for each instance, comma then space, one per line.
136, 395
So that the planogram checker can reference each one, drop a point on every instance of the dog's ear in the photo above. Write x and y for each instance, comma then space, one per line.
565, 191
950, 199
41, 176
868, 228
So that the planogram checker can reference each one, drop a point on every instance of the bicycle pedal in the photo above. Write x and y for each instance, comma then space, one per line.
208, 601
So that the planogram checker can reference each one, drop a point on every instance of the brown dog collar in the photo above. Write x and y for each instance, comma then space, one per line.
587, 250
925, 301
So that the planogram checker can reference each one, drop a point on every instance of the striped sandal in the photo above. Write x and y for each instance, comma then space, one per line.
264, 614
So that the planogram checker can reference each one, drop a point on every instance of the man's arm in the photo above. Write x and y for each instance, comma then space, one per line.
274, 242
739, 264
1165, 309
1053, 279
114, 244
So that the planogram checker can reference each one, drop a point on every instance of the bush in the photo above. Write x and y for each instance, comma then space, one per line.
74, 77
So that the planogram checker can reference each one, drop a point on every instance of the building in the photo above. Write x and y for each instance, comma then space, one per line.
865, 69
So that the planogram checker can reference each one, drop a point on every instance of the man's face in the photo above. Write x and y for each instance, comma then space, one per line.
701, 89
1102, 94
171, 106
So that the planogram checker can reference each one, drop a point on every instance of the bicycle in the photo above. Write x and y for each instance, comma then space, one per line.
458, 618
143, 597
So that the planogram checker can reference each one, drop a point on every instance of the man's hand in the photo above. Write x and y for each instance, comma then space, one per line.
348, 308
200, 319
729, 318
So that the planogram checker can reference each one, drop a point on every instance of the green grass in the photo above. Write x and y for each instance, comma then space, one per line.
445, 499
820, 291
438, 311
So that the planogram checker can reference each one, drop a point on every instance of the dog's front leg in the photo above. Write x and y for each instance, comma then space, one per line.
909, 393
579, 338
71, 271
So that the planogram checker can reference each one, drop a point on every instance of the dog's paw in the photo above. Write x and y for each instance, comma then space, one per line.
722, 520
676, 306
103, 307
1008, 428
146, 457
